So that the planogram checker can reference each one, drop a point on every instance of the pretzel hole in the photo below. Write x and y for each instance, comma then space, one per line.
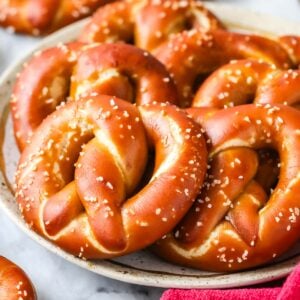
255, 197
55, 93
178, 25
132, 96
130, 40
148, 173
188, 23
297, 105
268, 171
107, 82
200, 78
191, 20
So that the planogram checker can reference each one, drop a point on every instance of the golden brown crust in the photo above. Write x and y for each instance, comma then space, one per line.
195, 54
247, 81
231, 226
44, 16
291, 43
73, 70
14, 283
77, 197
147, 23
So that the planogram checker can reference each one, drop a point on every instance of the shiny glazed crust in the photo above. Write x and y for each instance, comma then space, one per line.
246, 81
147, 23
234, 224
14, 283
192, 54
68, 72
91, 200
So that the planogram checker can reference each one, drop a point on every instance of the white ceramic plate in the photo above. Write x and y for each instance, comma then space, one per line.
142, 267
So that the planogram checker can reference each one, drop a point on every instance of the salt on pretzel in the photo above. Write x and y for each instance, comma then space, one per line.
234, 224
14, 283
251, 81
193, 54
147, 23
79, 180
70, 71
247, 81
44, 16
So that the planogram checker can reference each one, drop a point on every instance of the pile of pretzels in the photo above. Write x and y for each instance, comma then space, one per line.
159, 127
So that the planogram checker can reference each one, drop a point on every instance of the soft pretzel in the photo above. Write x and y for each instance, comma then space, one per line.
251, 81
147, 23
44, 16
245, 81
233, 225
73, 70
192, 55
14, 283
89, 216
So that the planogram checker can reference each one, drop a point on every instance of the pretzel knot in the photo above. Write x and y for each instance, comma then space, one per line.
147, 23
236, 224
76, 197
44, 16
245, 81
68, 72
190, 56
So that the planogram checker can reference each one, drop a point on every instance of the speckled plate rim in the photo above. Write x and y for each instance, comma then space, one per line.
247, 21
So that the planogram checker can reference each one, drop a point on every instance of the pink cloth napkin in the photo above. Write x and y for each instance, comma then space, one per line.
289, 291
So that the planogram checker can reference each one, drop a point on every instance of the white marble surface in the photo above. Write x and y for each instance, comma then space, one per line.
55, 278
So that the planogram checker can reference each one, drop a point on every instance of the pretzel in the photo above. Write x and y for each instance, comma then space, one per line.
147, 23
89, 216
233, 225
44, 16
245, 81
14, 283
70, 71
192, 55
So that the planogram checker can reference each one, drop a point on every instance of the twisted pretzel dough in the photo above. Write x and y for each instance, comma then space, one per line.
147, 23
44, 16
74, 70
14, 283
88, 216
251, 81
232, 226
245, 81
195, 54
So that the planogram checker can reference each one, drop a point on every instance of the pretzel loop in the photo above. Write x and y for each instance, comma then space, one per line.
246, 81
191, 55
250, 231
103, 211
68, 72
148, 23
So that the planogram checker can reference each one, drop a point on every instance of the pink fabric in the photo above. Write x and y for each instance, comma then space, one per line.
289, 291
